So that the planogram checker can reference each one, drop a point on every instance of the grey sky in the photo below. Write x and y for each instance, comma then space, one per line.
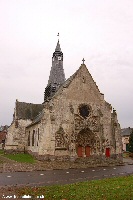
101, 31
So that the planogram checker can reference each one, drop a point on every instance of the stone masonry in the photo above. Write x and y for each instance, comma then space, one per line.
63, 129
24, 113
75, 123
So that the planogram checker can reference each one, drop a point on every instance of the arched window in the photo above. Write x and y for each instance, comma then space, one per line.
29, 139
33, 137
38, 133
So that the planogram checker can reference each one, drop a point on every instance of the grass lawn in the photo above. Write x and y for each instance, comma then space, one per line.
1, 151
120, 188
21, 157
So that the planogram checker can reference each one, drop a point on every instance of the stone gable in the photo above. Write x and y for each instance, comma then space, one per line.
75, 121
81, 86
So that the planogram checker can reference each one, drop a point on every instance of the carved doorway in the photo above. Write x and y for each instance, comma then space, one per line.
80, 151
86, 141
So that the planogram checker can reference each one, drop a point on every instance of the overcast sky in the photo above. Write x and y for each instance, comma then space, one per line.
101, 31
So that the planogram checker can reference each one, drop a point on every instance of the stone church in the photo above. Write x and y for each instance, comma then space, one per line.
73, 122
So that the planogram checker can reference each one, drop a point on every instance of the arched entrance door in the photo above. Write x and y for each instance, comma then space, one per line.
80, 151
107, 152
87, 151
85, 141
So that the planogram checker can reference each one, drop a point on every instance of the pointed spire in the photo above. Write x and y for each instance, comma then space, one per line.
58, 46
57, 75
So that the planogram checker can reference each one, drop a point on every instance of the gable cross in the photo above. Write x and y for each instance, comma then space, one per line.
83, 60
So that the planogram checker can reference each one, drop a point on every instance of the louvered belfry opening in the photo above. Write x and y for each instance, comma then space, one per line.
50, 91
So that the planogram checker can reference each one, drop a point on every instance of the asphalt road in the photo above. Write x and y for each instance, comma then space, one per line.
51, 177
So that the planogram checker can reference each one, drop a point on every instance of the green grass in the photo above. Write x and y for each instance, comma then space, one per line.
1, 151
120, 188
21, 157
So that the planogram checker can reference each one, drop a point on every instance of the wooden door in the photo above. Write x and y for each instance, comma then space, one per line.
107, 152
79, 151
87, 151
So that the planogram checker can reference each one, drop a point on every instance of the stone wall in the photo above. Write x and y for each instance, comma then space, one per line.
16, 137
63, 127
24, 113
62, 121
33, 137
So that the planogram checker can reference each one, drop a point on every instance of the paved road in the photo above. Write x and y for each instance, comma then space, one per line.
51, 177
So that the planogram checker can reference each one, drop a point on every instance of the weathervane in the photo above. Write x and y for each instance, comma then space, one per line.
58, 35
83, 60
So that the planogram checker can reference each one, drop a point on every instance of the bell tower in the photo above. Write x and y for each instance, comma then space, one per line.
57, 76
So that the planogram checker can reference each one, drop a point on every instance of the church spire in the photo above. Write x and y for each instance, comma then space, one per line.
58, 47
57, 76
58, 44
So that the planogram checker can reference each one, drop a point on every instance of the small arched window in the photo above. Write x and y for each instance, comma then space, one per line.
38, 133
33, 137
29, 139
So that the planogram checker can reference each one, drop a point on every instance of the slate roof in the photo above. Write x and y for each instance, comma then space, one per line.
36, 120
57, 74
58, 46
126, 131
27, 110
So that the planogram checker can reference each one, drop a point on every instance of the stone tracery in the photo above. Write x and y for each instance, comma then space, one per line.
61, 139
86, 137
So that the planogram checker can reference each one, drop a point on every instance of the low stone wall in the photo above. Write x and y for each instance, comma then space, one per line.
7, 165
14, 151
97, 160
50, 165
64, 162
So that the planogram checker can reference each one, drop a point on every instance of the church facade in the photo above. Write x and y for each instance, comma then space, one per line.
73, 122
